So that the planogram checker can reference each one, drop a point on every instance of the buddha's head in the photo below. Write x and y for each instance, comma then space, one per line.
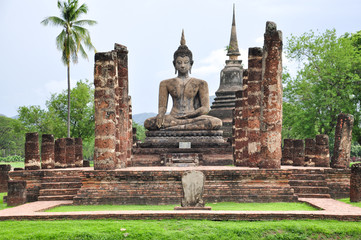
183, 54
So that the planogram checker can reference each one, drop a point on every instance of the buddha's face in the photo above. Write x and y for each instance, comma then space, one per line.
183, 64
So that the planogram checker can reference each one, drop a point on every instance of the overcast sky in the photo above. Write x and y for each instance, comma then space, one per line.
31, 67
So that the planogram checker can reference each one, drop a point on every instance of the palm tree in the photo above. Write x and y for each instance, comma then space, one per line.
73, 35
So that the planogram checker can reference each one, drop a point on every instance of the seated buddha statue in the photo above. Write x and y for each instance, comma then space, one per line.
190, 98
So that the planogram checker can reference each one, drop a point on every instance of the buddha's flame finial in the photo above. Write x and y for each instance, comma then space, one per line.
183, 40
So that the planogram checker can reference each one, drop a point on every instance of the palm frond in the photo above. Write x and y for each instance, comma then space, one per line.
60, 39
85, 22
53, 20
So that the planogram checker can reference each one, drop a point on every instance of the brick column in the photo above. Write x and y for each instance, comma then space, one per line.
70, 152
130, 133
4, 177
253, 109
271, 112
310, 145
123, 119
32, 156
343, 138
16, 193
355, 183
287, 152
322, 154
240, 150
105, 81
47, 152
60, 153
78, 152
298, 152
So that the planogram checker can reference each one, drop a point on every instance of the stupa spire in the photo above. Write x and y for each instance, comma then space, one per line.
233, 51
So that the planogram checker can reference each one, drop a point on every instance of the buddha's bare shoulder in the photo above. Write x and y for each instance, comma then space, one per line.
168, 81
200, 81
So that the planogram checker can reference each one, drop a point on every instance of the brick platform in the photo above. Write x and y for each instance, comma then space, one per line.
162, 185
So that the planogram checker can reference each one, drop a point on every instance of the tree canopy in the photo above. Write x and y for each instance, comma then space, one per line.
327, 83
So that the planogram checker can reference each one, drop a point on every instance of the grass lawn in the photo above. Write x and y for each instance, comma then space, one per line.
2, 204
347, 200
230, 206
15, 164
179, 229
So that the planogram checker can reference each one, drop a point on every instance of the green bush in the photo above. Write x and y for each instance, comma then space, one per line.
13, 158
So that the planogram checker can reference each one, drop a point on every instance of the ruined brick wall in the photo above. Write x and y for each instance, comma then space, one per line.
47, 152
16, 193
32, 156
322, 153
4, 177
355, 183
272, 93
287, 152
258, 111
60, 153
111, 109
298, 152
247, 113
78, 145
343, 138
310, 146
240, 139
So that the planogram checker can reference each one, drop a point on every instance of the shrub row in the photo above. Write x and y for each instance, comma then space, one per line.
13, 158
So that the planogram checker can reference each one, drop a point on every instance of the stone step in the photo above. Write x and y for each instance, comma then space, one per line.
55, 192
300, 195
314, 183
56, 198
62, 179
310, 190
60, 185
307, 177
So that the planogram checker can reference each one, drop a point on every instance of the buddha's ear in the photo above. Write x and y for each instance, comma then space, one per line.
190, 70
175, 71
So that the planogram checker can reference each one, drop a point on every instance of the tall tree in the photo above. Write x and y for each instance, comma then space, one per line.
327, 84
71, 39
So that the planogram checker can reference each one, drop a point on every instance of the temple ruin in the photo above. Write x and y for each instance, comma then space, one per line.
248, 165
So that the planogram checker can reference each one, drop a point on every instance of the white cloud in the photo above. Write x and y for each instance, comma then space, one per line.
260, 39
211, 64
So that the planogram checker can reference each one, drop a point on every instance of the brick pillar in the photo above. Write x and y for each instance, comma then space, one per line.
16, 193
240, 150
253, 109
287, 152
60, 153
310, 145
322, 154
355, 183
47, 152
78, 152
130, 133
123, 120
298, 152
4, 177
343, 138
70, 152
272, 93
105, 82
32, 156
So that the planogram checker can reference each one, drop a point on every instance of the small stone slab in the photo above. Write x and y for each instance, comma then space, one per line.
192, 208
193, 186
